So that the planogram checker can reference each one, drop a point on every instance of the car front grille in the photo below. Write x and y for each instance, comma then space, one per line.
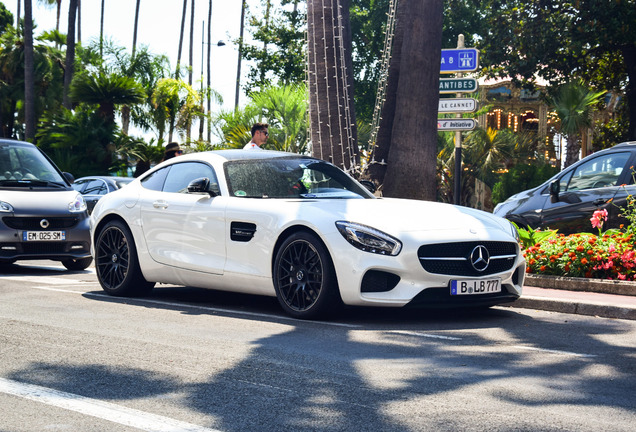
455, 258
33, 223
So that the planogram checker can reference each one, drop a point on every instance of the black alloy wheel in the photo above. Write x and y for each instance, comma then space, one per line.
304, 277
116, 262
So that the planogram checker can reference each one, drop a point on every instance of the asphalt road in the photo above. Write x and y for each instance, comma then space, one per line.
185, 359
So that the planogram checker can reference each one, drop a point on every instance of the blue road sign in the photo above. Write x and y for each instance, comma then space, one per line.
459, 60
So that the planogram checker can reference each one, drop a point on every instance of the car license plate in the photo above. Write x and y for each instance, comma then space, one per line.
475, 286
43, 235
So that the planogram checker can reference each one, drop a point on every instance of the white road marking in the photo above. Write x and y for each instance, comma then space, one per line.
551, 351
426, 335
97, 408
46, 280
203, 308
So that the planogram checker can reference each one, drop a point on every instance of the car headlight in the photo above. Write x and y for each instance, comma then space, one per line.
5, 207
78, 204
513, 230
369, 239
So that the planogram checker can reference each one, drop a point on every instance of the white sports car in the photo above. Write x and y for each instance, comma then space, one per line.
300, 229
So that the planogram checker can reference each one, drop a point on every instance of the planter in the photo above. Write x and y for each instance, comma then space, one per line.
604, 286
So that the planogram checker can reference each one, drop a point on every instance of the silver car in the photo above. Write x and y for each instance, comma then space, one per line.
41, 215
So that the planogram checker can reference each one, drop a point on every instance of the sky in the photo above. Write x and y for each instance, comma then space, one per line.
159, 29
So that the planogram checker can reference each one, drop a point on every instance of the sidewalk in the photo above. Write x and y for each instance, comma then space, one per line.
582, 301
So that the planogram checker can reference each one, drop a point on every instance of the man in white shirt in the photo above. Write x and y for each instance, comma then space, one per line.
259, 136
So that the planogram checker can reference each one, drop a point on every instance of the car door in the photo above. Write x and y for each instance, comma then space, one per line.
182, 229
585, 188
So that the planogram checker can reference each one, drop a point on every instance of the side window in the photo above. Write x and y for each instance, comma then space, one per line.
599, 172
96, 187
79, 185
156, 180
182, 174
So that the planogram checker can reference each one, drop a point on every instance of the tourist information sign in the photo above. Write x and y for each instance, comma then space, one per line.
457, 85
461, 124
459, 60
457, 105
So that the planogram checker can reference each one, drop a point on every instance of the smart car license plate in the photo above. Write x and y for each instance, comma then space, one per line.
475, 286
43, 235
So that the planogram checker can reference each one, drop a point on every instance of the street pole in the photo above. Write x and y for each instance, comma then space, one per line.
458, 141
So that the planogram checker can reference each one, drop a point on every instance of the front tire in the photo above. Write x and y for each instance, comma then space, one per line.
77, 264
305, 278
117, 263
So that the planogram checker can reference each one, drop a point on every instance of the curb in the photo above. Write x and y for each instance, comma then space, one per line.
605, 286
574, 307
579, 296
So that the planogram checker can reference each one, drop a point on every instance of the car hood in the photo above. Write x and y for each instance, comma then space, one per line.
39, 203
393, 215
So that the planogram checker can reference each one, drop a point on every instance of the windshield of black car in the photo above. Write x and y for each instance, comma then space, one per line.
290, 178
26, 166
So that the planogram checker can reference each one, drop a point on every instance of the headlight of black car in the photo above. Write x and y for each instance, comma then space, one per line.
369, 239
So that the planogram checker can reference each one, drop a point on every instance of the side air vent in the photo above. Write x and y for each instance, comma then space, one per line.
242, 231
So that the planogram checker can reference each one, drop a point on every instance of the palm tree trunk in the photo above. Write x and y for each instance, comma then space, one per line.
136, 27
572, 150
17, 18
209, 69
240, 55
79, 21
376, 169
331, 111
101, 33
412, 161
70, 53
183, 17
29, 80
191, 63
629, 54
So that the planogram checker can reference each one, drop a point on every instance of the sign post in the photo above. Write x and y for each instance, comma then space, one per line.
458, 61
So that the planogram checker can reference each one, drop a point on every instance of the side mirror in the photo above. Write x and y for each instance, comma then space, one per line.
555, 188
201, 186
69, 177
369, 185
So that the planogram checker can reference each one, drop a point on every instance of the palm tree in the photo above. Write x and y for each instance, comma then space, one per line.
29, 78
332, 116
134, 46
69, 64
101, 32
107, 91
285, 107
412, 123
240, 54
574, 103
177, 73
176, 104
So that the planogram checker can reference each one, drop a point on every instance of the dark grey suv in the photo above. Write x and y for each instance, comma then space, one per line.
41, 215
567, 201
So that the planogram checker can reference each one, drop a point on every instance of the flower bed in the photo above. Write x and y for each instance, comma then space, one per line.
608, 255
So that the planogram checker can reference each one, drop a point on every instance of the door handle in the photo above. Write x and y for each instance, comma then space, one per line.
160, 204
599, 201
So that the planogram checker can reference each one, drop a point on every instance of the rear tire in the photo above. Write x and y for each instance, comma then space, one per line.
117, 263
305, 278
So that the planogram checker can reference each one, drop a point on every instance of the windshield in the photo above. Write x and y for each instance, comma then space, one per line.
290, 178
26, 165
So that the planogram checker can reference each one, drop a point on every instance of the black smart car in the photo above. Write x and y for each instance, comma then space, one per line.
41, 215
568, 200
